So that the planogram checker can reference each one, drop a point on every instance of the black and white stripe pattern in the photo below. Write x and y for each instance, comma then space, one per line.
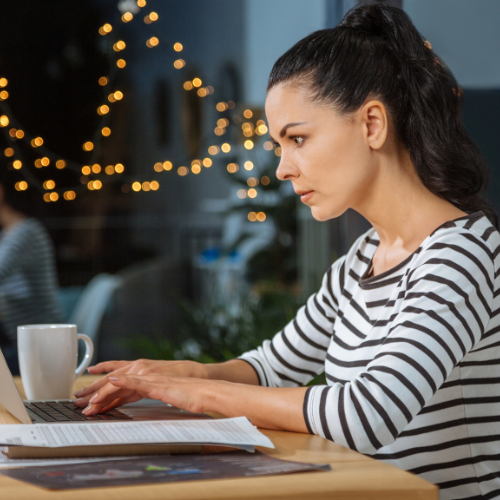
28, 283
412, 357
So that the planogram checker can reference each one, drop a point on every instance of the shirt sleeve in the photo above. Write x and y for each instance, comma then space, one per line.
297, 354
15, 249
445, 310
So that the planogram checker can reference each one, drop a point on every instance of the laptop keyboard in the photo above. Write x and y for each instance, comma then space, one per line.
66, 411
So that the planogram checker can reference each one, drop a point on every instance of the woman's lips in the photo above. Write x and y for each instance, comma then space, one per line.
306, 196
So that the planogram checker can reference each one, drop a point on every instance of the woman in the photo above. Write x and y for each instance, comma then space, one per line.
405, 325
28, 280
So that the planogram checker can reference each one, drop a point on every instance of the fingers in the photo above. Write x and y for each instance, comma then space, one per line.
84, 394
110, 397
146, 386
107, 366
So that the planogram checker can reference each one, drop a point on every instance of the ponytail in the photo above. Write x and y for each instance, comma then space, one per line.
377, 51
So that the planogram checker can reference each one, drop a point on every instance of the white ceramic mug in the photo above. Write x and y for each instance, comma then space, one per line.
47, 359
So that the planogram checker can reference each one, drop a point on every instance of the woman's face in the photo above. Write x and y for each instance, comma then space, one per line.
326, 156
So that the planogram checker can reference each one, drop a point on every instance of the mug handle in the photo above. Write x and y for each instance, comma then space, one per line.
89, 352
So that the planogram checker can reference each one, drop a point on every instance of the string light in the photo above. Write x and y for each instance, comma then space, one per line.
9, 152
188, 85
223, 122
146, 186
45, 161
4, 95
119, 168
103, 81
106, 131
69, 195
178, 47
97, 184
53, 196
12, 132
207, 162
152, 42
248, 144
242, 193
261, 130
261, 216
60, 164
221, 106
151, 18
158, 167
265, 181
107, 28
248, 165
252, 193
196, 169
155, 185
4, 121
202, 92
141, 3
46, 197
219, 131
21, 186
197, 82
38, 163
268, 146
121, 63
182, 171
127, 17
17, 164
88, 146
277, 151
247, 113
19, 134
38, 141
110, 170
96, 168
252, 216
226, 147
49, 185
118, 46
167, 165
252, 181
179, 63
213, 150
233, 168
103, 110
136, 186
86, 170
3, 82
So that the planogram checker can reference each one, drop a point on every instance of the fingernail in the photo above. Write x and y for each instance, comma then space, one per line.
86, 410
113, 378
94, 397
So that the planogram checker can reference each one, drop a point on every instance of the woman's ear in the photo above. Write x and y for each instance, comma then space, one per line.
375, 120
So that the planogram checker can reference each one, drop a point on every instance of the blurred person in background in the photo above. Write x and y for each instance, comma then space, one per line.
28, 278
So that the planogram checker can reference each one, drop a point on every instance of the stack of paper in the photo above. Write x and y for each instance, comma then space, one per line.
84, 439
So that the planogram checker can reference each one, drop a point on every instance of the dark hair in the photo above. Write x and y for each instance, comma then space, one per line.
377, 51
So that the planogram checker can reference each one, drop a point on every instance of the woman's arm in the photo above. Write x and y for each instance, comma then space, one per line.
267, 407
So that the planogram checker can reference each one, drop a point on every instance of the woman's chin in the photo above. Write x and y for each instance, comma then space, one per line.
322, 215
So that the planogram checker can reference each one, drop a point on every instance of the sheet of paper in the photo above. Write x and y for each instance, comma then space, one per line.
231, 431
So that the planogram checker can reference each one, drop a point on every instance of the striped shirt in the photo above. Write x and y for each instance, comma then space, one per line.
411, 357
28, 281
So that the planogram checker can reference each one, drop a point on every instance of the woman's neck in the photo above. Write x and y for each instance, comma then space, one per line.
10, 217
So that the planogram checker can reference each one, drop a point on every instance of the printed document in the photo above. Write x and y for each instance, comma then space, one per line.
229, 432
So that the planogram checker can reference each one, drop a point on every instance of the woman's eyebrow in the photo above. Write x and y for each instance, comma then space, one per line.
288, 125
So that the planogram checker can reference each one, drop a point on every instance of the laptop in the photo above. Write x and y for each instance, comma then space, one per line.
63, 411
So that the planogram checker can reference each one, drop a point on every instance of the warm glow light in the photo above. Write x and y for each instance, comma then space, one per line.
260, 122
202, 92
97, 184
196, 169
196, 162
213, 150
248, 165
242, 193
46, 197
120, 45
265, 180
127, 17
252, 193
96, 168
247, 113
252, 216
106, 131
110, 170
180, 63
86, 170
17, 164
141, 3
19, 134
146, 186
69, 195
221, 106
219, 131
38, 141
210, 90
277, 151
232, 168
178, 47
136, 186
90, 185
261, 130
182, 171
4, 121
48, 185
153, 16
3, 82
223, 122
207, 162
38, 163
197, 82
119, 168
21, 186
226, 147
88, 146
45, 161
261, 216
9, 152
155, 185
158, 167
118, 95
111, 98
152, 42
107, 28
167, 165
4, 95
268, 146
102, 110
248, 144
12, 132
54, 196
121, 63
188, 85
60, 164
253, 181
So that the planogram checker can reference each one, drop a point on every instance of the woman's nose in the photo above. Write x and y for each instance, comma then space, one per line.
286, 171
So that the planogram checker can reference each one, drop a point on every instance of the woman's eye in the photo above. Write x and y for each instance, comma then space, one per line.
298, 140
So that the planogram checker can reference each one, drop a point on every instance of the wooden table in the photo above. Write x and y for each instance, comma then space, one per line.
353, 476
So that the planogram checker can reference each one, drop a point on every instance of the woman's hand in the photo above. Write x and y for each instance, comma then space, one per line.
267, 407
139, 367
